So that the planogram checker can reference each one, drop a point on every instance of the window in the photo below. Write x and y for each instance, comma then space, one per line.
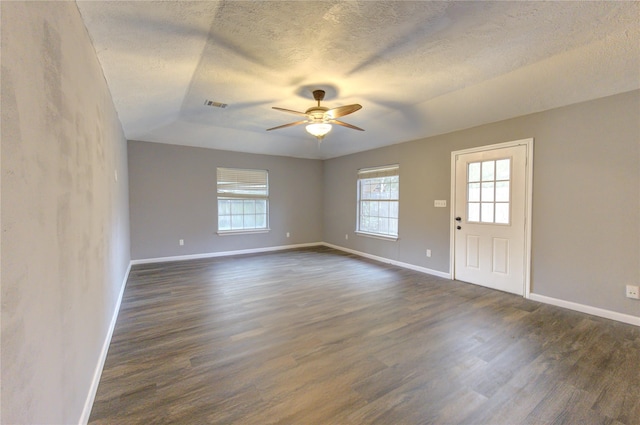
243, 200
378, 201
488, 191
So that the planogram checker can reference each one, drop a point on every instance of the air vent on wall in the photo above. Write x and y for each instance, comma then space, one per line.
215, 104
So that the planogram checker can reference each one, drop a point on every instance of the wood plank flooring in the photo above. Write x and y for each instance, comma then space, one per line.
316, 336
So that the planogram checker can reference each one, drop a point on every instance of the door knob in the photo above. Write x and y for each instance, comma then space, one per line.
458, 218
458, 227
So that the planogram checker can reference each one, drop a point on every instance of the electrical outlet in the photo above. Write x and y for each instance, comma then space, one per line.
346, 236
633, 291
181, 242
288, 234
428, 253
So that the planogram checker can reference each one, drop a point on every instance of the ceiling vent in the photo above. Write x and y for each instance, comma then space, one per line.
215, 104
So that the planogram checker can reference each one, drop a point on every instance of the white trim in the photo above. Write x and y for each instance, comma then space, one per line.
242, 232
97, 373
528, 143
364, 174
389, 261
376, 236
528, 235
595, 311
371, 170
222, 253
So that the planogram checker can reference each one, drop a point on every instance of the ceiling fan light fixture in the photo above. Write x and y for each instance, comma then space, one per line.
319, 118
318, 129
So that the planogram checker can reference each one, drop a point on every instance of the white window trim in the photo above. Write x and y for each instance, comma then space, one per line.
222, 195
242, 232
377, 236
388, 170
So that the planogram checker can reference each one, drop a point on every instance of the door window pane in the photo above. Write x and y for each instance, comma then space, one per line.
474, 192
486, 215
503, 169
488, 170
502, 192
474, 172
473, 214
488, 191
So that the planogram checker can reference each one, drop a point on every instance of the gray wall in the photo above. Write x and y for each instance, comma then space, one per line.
65, 225
586, 200
173, 196
65, 218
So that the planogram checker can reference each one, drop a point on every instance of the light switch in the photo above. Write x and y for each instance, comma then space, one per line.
440, 203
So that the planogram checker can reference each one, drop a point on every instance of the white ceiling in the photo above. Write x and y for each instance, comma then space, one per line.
418, 68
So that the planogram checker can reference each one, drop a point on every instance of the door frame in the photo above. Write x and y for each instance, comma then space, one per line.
528, 143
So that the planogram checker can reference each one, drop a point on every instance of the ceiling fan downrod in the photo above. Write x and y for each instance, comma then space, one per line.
318, 95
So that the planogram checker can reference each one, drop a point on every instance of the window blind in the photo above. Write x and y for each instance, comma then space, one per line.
386, 171
242, 183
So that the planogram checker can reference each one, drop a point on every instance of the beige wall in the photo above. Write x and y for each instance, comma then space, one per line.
173, 196
586, 199
65, 226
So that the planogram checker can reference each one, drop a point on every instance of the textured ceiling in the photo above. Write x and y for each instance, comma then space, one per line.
418, 68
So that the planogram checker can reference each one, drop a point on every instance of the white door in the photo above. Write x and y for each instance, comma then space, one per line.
490, 209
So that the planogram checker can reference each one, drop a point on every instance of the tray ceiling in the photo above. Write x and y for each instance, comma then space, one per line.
418, 68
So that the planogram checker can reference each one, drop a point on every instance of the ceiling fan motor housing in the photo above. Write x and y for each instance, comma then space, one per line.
316, 113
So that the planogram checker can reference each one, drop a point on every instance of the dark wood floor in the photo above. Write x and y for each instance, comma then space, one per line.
316, 336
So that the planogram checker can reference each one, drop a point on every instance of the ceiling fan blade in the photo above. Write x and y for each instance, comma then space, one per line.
289, 111
291, 124
344, 124
341, 111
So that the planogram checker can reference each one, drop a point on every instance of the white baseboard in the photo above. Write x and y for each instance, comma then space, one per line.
595, 311
88, 405
222, 253
389, 261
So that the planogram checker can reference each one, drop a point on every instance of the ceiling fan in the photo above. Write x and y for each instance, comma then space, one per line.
319, 118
